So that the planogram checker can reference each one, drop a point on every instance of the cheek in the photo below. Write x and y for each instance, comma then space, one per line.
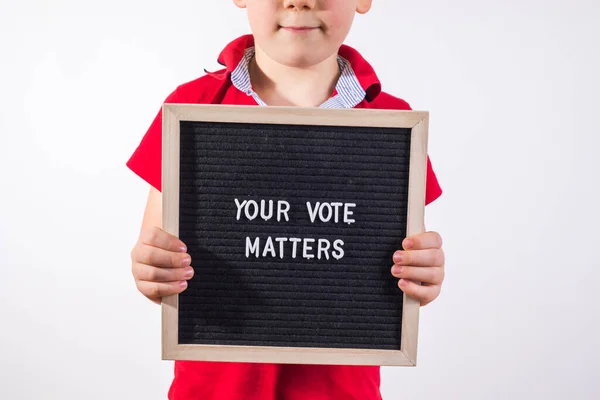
262, 20
338, 23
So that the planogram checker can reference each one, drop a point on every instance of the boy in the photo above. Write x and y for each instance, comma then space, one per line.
294, 56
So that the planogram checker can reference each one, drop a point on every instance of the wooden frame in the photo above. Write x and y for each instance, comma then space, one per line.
417, 121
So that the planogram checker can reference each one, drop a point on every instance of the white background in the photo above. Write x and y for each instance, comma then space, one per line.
512, 87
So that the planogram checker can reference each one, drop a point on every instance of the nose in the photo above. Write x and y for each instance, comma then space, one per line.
299, 4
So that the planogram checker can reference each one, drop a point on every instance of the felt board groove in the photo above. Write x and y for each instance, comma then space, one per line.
349, 335
257, 265
295, 320
284, 343
265, 188
379, 204
355, 337
352, 302
300, 293
302, 277
361, 234
245, 140
346, 283
271, 274
248, 150
304, 326
353, 334
299, 341
248, 142
251, 287
329, 191
259, 168
356, 265
289, 307
249, 273
296, 157
302, 152
284, 314
251, 229
331, 183
241, 133
302, 228
324, 165
274, 177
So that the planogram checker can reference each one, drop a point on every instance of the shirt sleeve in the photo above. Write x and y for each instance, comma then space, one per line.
146, 160
433, 189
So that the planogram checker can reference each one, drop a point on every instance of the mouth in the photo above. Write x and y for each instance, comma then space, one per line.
298, 28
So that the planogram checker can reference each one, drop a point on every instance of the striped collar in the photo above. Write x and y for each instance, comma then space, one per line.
348, 90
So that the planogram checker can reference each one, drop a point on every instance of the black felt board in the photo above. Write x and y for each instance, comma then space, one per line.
351, 302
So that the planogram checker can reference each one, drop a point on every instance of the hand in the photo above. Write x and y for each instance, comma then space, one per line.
160, 264
422, 260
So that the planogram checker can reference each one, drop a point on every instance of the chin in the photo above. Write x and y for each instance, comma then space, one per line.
299, 58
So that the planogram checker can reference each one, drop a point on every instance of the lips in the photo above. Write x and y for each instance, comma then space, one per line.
300, 27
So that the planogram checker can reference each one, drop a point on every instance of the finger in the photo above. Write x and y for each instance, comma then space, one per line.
424, 294
426, 240
426, 275
156, 257
156, 237
420, 258
143, 272
156, 290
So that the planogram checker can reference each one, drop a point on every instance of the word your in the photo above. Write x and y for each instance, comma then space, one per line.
251, 209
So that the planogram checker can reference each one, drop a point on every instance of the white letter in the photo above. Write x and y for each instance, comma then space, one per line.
322, 248
262, 210
252, 248
306, 248
336, 206
323, 219
337, 245
347, 213
295, 242
281, 240
312, 213
269, 247
239, 207
280, 210
251, 203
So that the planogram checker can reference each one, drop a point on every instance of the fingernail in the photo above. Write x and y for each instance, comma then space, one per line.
403, 283
183, 284
396, 270
186, 261
397, 257
183, 249
408, 244
188, 273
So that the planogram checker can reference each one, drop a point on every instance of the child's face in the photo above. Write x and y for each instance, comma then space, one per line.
301, 33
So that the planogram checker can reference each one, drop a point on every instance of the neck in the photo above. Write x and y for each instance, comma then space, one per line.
280, 85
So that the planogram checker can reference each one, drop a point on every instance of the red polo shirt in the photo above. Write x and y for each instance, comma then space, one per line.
196, 380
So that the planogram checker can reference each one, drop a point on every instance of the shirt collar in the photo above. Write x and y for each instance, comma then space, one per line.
358, 80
